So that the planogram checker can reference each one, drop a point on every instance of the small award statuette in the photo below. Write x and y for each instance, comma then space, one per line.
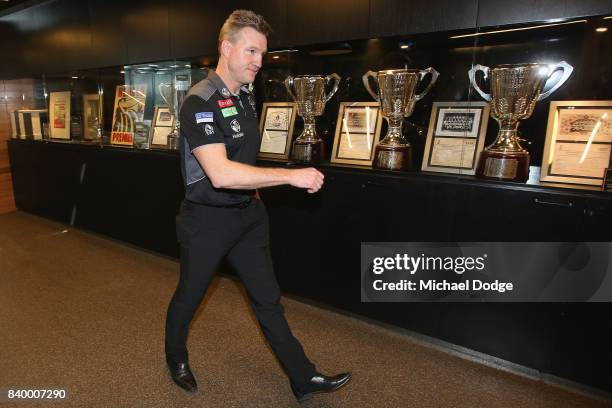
607, 181
515, 89
396, 95
309, 95
168, 94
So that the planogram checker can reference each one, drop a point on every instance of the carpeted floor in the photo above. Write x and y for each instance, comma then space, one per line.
86, 314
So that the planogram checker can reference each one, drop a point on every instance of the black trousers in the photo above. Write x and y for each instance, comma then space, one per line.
207, 235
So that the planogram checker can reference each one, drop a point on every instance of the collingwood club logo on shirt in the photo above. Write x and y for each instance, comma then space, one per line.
209, 129
235, 125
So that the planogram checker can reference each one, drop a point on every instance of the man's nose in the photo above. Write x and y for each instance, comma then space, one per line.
257, 61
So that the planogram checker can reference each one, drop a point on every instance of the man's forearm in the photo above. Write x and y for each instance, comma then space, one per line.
235, 175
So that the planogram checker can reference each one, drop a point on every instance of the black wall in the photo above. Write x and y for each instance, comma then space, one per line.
63, 35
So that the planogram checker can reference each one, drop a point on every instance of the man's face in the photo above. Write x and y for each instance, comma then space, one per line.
246, 55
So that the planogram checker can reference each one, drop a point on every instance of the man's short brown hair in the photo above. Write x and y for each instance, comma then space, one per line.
240, 19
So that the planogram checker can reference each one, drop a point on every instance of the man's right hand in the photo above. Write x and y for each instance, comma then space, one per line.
308, 178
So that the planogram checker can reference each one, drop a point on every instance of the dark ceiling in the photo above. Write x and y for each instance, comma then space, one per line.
5, 6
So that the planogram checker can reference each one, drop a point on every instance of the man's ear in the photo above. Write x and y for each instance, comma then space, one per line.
226, 48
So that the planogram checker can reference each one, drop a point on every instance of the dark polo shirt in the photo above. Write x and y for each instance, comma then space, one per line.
211, 114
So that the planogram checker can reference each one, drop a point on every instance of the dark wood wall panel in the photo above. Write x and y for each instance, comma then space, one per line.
16, 29
492, 13
64, 35
61, 38
319, 21
108, 40
194, 30
145, 26
11, 46
393, 17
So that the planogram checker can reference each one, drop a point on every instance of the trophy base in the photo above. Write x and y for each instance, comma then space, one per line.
172, 142
308, 152
393, 157
503, 166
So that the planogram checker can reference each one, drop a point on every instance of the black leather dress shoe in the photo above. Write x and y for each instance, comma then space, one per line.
320, 383
182, 375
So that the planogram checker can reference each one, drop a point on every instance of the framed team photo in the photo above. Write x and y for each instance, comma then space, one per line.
455, 137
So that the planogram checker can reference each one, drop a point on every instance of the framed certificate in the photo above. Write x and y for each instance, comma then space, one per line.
59, 115
578, 142
455, 137
276, 127
163, 123
92, 115
357, 133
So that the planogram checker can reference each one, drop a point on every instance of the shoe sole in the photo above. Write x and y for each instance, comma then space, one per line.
308, 396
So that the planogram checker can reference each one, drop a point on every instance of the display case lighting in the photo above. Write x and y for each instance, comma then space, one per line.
279, 51
601, 29
517, 29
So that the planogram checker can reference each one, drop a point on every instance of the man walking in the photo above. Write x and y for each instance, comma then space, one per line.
221, 217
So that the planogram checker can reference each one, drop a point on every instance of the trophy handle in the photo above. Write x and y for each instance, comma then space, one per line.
472, 75
366, 82
161, 93
567, 71
171, 106
336, 77
289, 85
434, 77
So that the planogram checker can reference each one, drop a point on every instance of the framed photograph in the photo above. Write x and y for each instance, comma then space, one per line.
92, 115
31, 123
455, 137
163, 123
276, 127
578, 142
15, 129
59, 115
163, 117
128, 113
357, 133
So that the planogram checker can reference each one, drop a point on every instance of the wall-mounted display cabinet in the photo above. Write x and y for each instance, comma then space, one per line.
519, 103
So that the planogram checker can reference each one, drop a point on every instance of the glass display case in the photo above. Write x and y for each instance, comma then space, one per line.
521, 103
129, 106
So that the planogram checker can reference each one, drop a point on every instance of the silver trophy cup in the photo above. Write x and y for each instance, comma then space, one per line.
397, 97
309, 94
168, 94
515, 89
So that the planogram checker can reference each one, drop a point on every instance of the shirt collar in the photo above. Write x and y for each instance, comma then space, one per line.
224, 90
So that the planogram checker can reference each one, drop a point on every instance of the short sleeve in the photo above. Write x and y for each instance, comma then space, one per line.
198, 123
